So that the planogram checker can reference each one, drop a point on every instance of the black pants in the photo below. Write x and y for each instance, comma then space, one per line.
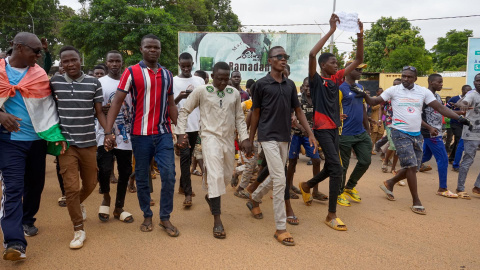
448, 141
457, 133
124, 166
329, 141
264, 173
34, 180
59, 177
215, 205
186, 162
381, 143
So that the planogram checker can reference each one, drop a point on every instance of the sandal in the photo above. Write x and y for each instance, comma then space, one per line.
187, 203
243, 194
384, 168
293, 195
124, 216
296, 190
62, 201
293, 220
174, 232
197, 173
319, 196
219, 232
307, 197
132, 188
256, 212
389, 194
104, 213
146, 227
464, 195
418, 209
335, 224
284, 237
447, 194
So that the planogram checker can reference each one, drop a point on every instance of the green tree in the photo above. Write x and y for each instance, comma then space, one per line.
450, 52
389, 36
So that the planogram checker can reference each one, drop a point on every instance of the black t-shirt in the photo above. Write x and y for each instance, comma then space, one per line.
325, 97
307, 109
276, 102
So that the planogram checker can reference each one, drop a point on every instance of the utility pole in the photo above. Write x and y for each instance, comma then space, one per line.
331, 39
33, 24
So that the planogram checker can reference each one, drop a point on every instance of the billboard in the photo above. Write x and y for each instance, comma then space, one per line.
473, 59
247, 52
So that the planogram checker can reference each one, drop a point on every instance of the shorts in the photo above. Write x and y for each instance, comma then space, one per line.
298, 141
391, 145
409, 148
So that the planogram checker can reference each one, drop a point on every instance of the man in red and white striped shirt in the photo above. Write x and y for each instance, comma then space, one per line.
153, 109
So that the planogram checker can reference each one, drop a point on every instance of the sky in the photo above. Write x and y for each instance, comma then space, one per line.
319, 11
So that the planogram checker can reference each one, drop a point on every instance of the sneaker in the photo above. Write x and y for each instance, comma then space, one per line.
425, 168
30, 230
353, 194
342, 200
14, 252
78, 239
84, 211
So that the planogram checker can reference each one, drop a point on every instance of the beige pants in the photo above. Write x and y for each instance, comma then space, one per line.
71, 162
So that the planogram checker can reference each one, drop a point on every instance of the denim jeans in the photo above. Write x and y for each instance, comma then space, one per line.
470, 149
458, 154
436, 147
409, 149
159, 147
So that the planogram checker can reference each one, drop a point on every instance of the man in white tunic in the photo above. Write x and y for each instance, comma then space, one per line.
220, 114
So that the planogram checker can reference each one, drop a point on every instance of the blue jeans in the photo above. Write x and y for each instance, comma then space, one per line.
458, 154
298, 141
160, 147
409, 148
436, 147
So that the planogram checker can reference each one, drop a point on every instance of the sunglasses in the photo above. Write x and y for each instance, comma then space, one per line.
359, 69
409, 68
281, 56
35, 51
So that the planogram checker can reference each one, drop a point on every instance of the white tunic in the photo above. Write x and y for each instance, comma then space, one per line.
220, 114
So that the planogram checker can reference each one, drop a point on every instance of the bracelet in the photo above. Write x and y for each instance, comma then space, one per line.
109, 133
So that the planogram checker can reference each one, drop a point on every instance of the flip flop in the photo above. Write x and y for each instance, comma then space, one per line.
146, 227
307, 197
188, 203
464, 195
243, 194
256, 212
174, 231
293, 195
418, 209
296, 190
132, 188
387, 192
319, 196
335, 223
219, 232
104, 213
124, 217
283, 237
293, 220
447, 194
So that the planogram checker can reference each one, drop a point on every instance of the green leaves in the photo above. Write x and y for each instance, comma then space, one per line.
450, 53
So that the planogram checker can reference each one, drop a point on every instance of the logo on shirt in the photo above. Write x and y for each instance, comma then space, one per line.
210, 89
410, 109
229, 90
399, 122
220, 94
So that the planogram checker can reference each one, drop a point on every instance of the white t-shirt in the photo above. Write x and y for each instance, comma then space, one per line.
181, 84
123, 122
407, 106
473, 99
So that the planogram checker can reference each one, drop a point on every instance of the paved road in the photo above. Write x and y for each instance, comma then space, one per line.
382, 234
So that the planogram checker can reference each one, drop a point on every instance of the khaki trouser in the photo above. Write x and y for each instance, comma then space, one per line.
73, 161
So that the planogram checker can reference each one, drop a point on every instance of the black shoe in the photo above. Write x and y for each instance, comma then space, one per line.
30, 230
14, 252
309, 162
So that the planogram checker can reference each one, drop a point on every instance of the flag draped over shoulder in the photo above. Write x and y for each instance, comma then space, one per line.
37, 95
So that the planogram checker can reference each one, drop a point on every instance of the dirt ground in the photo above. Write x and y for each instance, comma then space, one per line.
381, 234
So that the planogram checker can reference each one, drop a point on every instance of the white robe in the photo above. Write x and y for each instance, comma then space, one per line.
220, 114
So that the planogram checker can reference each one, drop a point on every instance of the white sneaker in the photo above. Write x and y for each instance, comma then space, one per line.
84, 212
78, 239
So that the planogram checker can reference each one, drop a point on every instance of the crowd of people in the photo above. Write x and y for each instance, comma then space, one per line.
142, 116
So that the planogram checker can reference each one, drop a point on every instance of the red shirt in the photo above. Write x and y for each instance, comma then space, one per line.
326, 101
149, 91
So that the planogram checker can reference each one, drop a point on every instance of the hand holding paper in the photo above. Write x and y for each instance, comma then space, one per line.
349, 22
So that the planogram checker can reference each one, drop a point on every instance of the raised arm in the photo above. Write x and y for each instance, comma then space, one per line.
359, 54
312, 57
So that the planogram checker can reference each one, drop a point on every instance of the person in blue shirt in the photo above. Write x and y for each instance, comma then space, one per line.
354, 136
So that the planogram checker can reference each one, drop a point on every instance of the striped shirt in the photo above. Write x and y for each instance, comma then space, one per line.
75, 101
149, 91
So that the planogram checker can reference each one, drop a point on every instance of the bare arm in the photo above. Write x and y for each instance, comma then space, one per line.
102, 119
359, 54
365, 119
312, 61
249, 119
254, 123
114, 110
173, 111
372, 101
443, 110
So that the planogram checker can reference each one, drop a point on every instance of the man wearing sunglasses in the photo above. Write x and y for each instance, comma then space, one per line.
407, 103
28, 121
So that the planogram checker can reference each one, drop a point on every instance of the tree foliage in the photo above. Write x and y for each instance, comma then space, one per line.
450, 52
120, 25
393, 43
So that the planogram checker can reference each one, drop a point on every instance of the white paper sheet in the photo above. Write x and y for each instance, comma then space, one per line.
348, 22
